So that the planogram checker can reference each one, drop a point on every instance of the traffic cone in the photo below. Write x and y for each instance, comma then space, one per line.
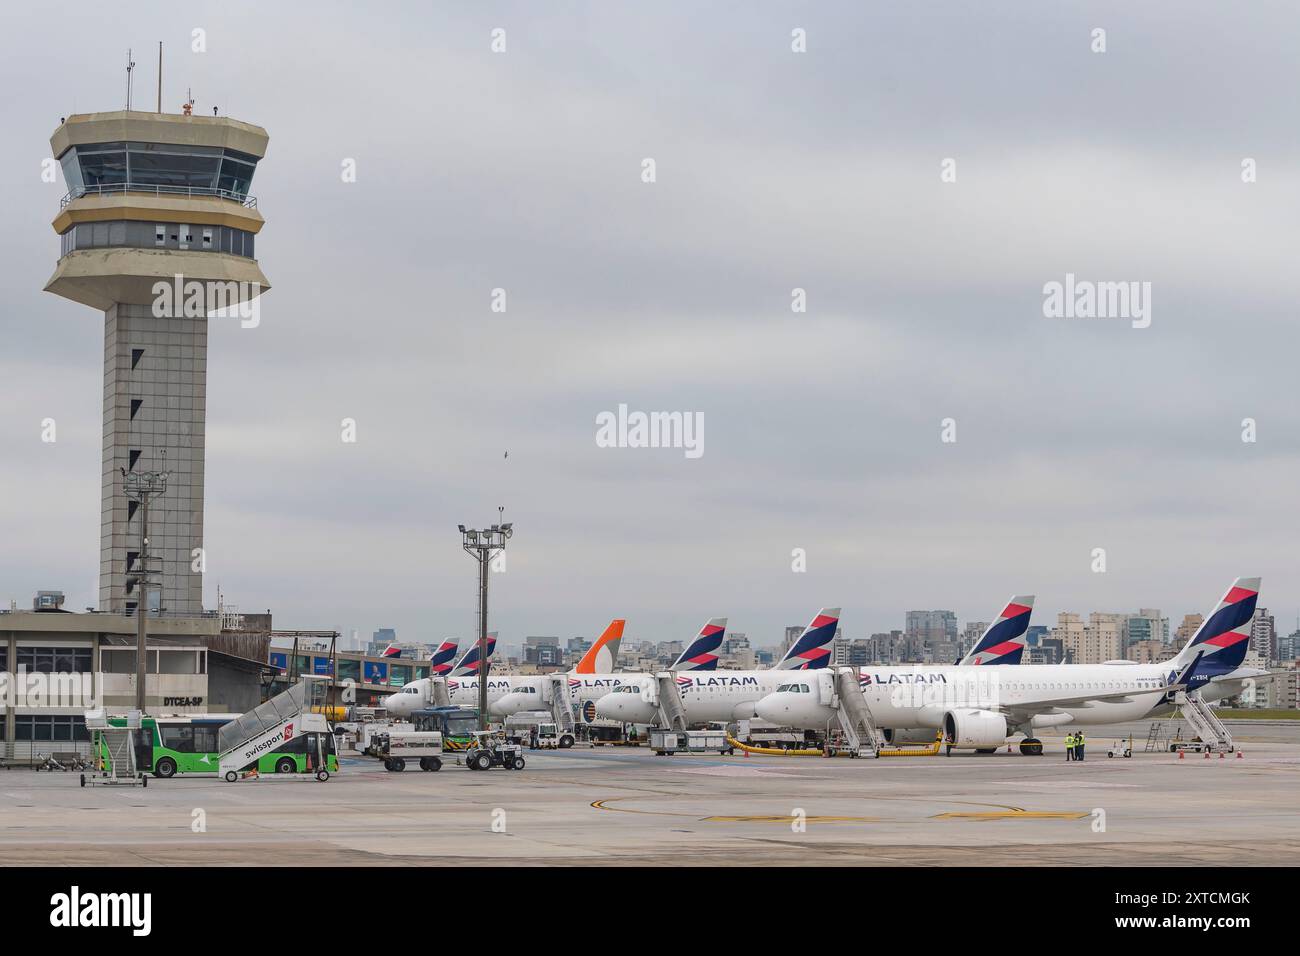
1238, 754
1207, 755
1180, 755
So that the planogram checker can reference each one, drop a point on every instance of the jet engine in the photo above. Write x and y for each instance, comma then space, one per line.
980, 729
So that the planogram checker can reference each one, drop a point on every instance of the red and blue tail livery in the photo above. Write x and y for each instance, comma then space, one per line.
1004, 640
469, 664
702, 653
443, 658
1219, 645
813, 649
392, 650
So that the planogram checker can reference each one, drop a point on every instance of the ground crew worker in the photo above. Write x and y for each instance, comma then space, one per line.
1069, 746
1078, 746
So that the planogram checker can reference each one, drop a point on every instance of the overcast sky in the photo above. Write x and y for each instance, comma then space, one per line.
522, 170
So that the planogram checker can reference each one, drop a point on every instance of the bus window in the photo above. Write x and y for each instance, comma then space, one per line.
205, 739
178, 738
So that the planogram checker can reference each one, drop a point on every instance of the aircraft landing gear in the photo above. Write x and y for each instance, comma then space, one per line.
1031, 747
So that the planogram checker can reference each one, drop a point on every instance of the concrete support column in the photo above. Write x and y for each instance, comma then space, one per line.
11, 724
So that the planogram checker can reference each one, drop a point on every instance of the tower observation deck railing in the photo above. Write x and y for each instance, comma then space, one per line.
108, 189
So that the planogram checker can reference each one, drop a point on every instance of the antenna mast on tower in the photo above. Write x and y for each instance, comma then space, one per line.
130, 65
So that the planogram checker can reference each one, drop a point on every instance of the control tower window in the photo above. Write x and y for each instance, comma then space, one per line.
168, 167
237, 172
102, 165
158, 164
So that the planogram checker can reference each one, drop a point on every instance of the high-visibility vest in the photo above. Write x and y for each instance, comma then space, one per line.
1069, 740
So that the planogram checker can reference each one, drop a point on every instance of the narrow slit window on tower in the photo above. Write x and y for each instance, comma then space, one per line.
134, 457
136, 355
135, 406
130, 559
130, 509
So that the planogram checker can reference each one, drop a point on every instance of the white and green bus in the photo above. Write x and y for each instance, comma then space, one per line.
168, 746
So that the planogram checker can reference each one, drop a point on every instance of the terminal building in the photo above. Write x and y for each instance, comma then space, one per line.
365, 678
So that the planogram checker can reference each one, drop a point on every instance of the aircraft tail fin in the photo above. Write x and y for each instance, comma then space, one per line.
603, 655
441, 663
1004, 641
701, 654
1220, 643
469, 663
812, 650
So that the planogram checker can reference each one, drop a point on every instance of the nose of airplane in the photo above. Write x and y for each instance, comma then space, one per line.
628, 708
773, 708
793, 710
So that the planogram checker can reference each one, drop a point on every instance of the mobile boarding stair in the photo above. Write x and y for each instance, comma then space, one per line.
855, 717
561, 709
438, 695
670, 735
672, 713
267, 726
114, 751
1214, 736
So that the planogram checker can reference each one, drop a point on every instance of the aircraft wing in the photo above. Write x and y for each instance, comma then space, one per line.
1031, 708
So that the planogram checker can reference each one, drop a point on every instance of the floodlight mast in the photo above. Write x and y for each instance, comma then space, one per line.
482, 545
142, 487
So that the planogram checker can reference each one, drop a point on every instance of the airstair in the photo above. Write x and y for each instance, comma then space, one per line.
1205, 723
114, 749
855, 717
672, 713
561, 708
438, 694
267, 726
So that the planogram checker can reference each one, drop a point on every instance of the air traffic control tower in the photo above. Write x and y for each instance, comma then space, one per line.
153, 197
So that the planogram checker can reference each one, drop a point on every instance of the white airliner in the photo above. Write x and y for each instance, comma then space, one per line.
980, 708
734, 695
507, 694
594, 677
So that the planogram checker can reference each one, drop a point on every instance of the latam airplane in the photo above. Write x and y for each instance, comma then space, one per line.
979, 709
462, 682
733, 695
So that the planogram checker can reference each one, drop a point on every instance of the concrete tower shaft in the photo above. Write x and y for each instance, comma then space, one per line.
156, 200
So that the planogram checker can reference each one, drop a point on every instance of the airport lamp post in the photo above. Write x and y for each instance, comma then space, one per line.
481, 545
142, 487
